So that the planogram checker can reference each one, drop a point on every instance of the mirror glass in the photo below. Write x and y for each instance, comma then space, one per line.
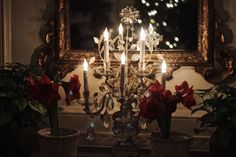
176, 20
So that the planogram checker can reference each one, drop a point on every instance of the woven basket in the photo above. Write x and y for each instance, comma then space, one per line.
177, 146
65, 145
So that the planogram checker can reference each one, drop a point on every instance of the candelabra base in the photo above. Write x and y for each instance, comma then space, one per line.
125, 150
125, 127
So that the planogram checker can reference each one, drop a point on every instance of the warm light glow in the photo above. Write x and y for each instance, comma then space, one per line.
142, 34
163, 67
106, 35
123, 58
150, 28
85, 65
121, 29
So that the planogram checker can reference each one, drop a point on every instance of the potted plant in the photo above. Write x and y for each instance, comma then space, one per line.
28, 94
55, 141
19, 117
159, 105
219, 104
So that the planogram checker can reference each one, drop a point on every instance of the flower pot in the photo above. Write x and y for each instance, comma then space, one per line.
65, 145
178, 145
218, 150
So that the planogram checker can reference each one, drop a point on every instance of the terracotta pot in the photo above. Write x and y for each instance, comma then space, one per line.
65, 145
178, 145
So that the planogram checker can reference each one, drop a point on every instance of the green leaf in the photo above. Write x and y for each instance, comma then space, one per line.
36, 106
22, 105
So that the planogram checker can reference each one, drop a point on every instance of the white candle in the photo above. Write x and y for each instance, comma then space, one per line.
121, 30
122, 75
142, 49
163, 72
106, 48
85, 72
150, 29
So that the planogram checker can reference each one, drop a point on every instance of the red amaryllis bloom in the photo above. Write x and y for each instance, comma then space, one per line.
156, 89
185, 95
170, 101
183, 88
188, 99
72, 89
44, 91
149, 108
161, 100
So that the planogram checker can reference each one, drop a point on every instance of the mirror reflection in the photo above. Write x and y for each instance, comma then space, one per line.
176, 20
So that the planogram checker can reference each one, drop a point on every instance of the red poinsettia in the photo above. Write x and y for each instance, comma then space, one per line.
161, 103
72, 89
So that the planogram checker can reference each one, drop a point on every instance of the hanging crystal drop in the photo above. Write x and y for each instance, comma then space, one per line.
106, 124
143, 123
91, 131
106, 120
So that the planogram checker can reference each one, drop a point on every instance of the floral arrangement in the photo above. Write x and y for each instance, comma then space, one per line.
45, 91
161, 103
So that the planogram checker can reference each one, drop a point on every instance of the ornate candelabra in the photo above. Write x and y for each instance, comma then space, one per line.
123, 83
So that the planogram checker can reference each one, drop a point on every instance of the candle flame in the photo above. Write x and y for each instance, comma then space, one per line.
121, 29
142, 34
150, 28
85, 65
123, 58
106, 35
163, 66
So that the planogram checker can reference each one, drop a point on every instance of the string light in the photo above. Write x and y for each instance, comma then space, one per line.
160, 22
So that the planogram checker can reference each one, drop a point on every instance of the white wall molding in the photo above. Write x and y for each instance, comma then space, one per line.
1, 33
7, 41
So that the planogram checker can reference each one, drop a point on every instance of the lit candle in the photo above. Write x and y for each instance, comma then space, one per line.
142, 49
106, 49
85, 72
163, 72
121, 29
150, 30
122, 75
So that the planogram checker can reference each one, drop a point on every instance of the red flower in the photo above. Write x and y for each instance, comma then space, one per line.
149, 108
44, 91
185, 95
161, 100
170, 101
72, 89
188, 99
183, 88
156, 89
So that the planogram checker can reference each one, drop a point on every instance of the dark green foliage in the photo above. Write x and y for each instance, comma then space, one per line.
220, 105
16, 110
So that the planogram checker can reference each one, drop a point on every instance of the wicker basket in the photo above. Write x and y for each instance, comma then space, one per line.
65, 145
177, 146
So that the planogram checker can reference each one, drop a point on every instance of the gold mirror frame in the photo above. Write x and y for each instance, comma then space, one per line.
212, 58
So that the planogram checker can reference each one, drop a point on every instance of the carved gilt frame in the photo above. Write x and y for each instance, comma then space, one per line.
204, 59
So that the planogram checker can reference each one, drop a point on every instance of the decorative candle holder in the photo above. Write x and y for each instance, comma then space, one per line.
123, 83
